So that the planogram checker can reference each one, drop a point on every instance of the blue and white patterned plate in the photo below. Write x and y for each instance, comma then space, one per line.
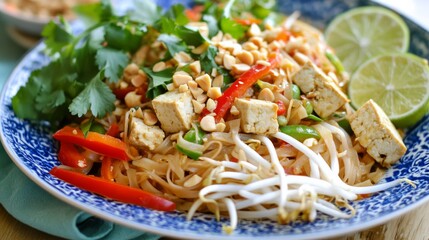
31, 147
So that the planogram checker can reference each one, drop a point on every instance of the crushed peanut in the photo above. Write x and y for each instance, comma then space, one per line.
214, 92
204, 81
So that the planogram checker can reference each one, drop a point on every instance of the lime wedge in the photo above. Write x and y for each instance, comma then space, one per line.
399, 83
364, 32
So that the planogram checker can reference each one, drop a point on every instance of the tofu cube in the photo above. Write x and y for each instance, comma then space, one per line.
257, 116
323, 93
144, 136
377, 134
174, 110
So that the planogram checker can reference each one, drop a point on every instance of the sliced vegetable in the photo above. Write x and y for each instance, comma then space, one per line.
195, 135
340, 118
283, 36
247, 21
70, 156
240, 86
190, 149
300, 132
282, 120
308, 107
106, 169
113, 130
281, 110
296, 92
335, 61
114, 190
102, 144
314, 118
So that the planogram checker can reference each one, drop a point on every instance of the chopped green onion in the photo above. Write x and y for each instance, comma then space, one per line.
190, 149
195, 135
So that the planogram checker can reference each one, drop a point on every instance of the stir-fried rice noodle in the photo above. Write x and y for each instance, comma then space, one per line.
258, 176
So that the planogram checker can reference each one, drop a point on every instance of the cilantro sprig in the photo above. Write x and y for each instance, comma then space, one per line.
76, 80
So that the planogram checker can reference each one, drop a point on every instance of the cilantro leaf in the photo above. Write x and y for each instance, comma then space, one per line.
212, 24
207, 59
93, 13
145, 11
177, 14
47, 102
166, 25
88, 13
85, 56
126, 36
23, 101
47, 92
112, 61
57, 36
158, 81
230, 26
208, 63
96, 97
190, 36
174, 45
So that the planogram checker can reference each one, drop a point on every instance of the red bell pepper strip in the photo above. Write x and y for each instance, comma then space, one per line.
281, 110
248, 21
194, 14
120, 93
283, 36
70, 156
240, 86
113, 130
106, 169
100, 143
114, 191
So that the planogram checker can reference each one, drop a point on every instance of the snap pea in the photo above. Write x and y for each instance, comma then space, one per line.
335, 61
314, 118
308, 107
340, 118
296, 92
300, 132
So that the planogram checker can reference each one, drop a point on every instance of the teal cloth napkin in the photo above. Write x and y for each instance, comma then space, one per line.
30, 204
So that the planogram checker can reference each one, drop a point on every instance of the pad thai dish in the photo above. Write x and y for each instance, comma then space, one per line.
249, 119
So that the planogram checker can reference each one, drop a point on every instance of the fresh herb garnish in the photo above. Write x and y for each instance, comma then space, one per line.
75, 82
158, 81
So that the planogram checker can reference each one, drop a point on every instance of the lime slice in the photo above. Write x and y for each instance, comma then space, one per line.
361, 33
399, 83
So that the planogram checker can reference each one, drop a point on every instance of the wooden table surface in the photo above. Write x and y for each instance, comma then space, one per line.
411, 226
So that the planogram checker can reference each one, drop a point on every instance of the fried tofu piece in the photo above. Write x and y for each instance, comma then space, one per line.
257, 116
323, 93
144, 136
377, 134
174, 110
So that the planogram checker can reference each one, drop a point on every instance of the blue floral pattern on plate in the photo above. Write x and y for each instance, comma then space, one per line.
32, 148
